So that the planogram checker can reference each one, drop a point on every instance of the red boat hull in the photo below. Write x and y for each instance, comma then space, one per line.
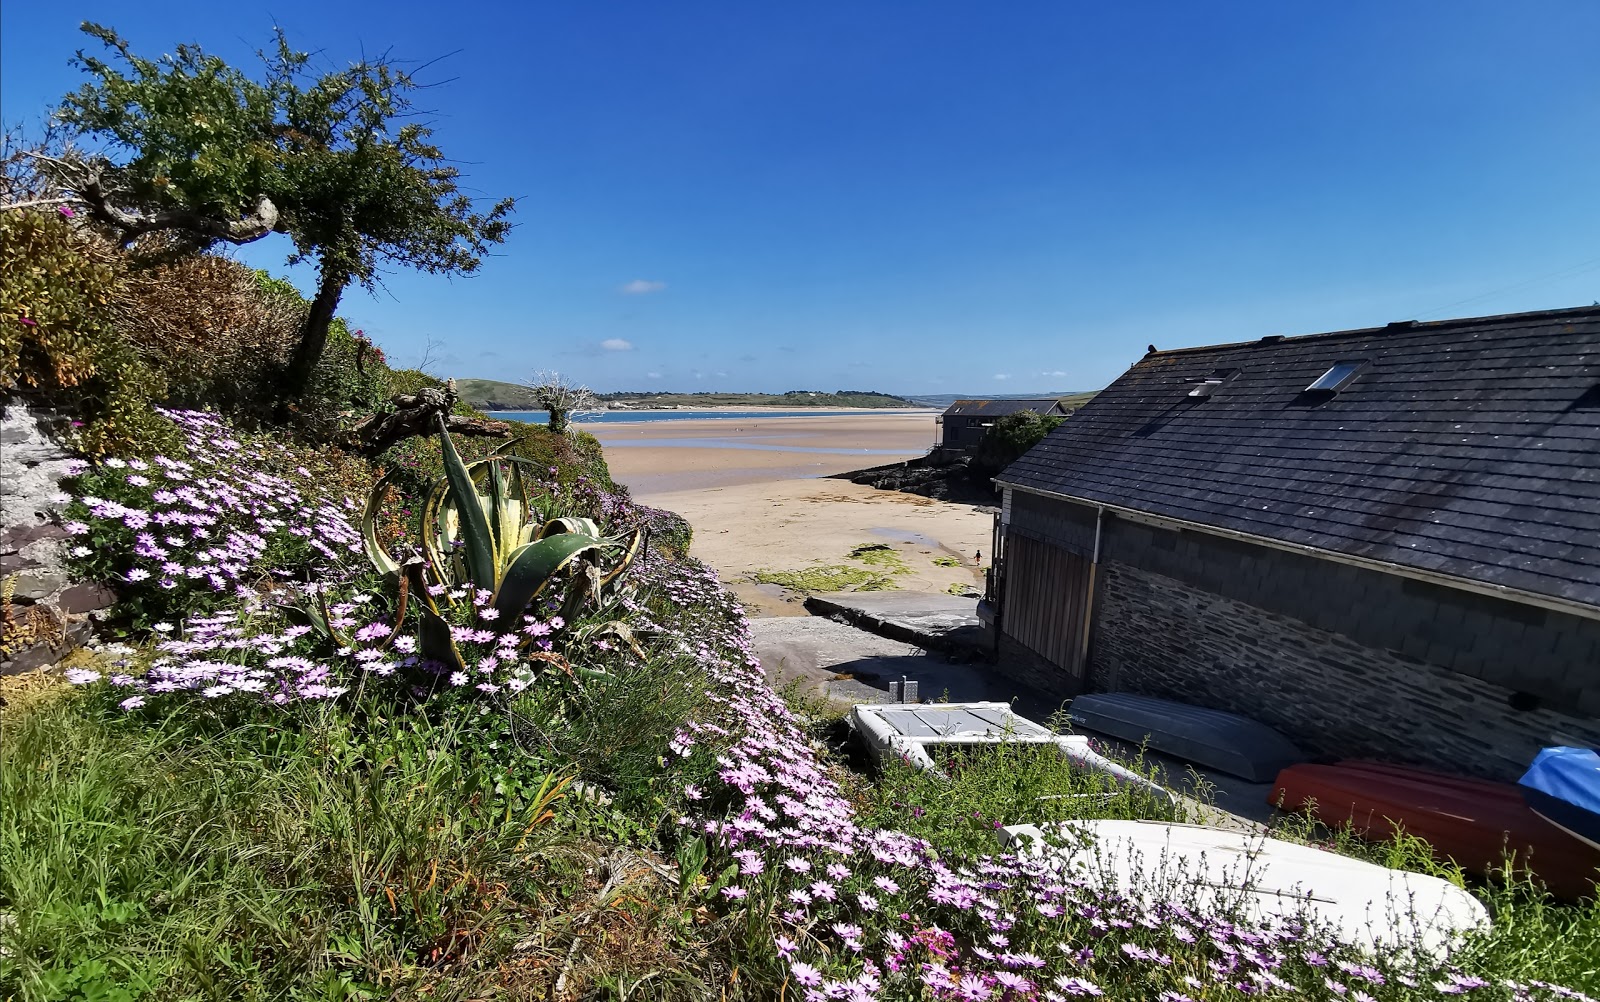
1474, 822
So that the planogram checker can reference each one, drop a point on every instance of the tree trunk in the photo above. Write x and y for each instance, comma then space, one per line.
314, 335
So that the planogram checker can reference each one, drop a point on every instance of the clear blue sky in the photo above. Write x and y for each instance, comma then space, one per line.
951, 196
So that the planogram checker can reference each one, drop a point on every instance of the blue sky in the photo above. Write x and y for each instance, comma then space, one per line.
950, 197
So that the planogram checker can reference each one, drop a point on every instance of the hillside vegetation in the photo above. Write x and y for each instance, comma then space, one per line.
493, 395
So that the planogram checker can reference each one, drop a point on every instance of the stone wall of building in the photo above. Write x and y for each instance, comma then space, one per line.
1333, 695
46, 613
1551, 657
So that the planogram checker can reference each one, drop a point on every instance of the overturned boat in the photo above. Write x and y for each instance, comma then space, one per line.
1263, 880
1477, 823
1226, 742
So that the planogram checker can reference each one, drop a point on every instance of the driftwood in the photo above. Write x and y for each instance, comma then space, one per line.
413, 415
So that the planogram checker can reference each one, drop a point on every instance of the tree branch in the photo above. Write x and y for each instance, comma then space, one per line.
130, 226
413, 415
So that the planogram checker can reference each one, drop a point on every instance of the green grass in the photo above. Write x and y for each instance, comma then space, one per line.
947, 561
351, 852
991, 786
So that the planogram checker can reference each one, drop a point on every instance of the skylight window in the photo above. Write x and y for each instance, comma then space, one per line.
1212, 383
1336, 378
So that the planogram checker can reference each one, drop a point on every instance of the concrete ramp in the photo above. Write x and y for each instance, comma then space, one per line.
935, 622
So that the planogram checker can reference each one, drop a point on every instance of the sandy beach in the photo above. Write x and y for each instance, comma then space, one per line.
661, 457
752, 491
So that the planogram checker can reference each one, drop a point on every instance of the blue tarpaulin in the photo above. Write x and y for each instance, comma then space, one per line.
1563, 784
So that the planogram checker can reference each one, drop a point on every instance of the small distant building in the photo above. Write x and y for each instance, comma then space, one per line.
1383, 542
964, 422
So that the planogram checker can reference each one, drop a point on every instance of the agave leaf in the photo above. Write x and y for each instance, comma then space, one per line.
630, 550
582, 526
478, 543
325, 621
494, 504
435, 643
532, 568
435, 537
380, 558
583, 585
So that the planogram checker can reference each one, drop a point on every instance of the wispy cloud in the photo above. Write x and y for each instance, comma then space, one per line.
641, 287
1056, 373
1002, 375
652, 375
616, 344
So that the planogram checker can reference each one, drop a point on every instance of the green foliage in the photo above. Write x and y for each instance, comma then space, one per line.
354, 180
880, 555
57, 341
1011, 436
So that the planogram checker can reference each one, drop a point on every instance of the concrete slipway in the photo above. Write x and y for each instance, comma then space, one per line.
936, 640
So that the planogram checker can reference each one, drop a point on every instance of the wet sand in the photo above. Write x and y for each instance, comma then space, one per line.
751, 489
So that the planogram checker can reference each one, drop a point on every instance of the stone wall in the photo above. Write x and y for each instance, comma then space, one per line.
1335, 697
46, 614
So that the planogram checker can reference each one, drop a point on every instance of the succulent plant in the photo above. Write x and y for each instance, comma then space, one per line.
482, 531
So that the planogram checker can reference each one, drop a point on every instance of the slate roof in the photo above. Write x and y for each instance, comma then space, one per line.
998, 408
1469, 448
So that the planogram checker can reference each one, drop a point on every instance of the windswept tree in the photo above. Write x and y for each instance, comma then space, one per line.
561, 397
335, 160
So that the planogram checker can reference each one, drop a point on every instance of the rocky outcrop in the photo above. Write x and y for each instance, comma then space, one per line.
43, 613
957, 482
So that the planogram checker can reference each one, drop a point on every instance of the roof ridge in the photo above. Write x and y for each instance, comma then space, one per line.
1394, 327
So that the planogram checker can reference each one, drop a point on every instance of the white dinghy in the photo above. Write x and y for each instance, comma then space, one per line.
907, 730
1260, 879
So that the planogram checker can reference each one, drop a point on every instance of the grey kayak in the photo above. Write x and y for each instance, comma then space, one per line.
1222, 741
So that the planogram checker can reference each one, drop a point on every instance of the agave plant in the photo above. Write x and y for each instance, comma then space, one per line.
482, 531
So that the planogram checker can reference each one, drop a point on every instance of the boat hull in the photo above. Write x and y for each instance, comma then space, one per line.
1215, 739
1263, 879
1474, 822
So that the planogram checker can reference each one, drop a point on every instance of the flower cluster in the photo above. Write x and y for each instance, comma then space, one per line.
860, 913
180, 533
258, 652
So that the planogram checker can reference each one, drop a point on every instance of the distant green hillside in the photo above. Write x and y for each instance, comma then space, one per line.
1069, 401
492, 395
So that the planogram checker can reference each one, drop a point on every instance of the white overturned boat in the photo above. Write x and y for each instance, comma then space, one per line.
907, 730
1260, 879
1218, 740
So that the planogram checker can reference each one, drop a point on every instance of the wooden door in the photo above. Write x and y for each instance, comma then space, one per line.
1047, 595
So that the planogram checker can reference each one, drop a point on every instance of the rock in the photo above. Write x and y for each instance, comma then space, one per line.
86, 598
34, 466
31, 659
39, 583
14, 537
15, 563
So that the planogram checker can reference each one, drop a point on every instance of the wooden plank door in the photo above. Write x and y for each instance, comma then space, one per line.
1047, 601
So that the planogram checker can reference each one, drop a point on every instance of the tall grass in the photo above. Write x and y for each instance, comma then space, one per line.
251, 860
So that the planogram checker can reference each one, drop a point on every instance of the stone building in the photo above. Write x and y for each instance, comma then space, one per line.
963, 423
1383, 542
